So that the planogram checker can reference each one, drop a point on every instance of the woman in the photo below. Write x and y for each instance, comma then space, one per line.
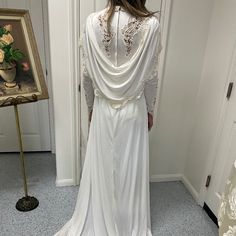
120, 44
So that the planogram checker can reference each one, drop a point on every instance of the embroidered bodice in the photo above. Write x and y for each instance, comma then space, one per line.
130, 40
124, 36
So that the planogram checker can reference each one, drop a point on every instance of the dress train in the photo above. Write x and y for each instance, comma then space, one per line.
113, 197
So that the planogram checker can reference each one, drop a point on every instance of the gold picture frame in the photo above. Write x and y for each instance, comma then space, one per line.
16, 30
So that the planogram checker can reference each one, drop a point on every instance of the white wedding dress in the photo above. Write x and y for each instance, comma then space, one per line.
120, 82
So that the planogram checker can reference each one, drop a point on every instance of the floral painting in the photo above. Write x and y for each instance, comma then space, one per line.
21, 73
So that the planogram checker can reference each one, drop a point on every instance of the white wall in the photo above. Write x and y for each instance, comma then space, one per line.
170, 138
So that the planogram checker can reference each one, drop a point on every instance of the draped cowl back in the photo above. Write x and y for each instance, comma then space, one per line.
120, 63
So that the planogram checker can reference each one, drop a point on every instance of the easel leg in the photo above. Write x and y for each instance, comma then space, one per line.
26, 203
21, 149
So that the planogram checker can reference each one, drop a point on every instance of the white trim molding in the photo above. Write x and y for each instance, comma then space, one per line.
166, 178
191, 189
75, 25
48, 74
63, 71
64, 182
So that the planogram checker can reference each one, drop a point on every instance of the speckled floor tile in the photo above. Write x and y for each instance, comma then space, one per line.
173, 210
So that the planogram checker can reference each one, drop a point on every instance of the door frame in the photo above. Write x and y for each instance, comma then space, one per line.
48, 74
212, 154
76, 29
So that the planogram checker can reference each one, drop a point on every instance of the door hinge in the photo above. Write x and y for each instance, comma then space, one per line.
208, 180
230, 88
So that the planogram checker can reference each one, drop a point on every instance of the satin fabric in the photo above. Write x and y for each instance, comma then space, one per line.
113, 198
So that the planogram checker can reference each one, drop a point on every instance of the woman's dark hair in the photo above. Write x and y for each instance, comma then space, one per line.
135, 7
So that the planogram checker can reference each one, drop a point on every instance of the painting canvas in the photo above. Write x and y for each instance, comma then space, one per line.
21, 74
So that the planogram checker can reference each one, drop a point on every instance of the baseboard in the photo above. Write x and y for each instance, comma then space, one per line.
64, 182
190, 188
165, 178
177, 177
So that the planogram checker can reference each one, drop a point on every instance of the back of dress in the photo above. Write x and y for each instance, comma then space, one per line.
119, 64
114, 195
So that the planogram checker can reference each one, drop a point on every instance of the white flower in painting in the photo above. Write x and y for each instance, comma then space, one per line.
222, 209
231, 231
2, 56
7, 39
232, 204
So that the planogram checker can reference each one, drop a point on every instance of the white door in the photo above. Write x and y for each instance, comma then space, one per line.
225, 151
85, 10
34, 117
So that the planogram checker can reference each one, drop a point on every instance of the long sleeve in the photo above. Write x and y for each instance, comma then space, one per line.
151, 85
86, 80
150, 93
89, 91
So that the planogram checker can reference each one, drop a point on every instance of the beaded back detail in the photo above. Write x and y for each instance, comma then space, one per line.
128, 31
106, 38
134, 25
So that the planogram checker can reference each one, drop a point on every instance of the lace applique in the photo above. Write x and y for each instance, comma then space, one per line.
130, 30
106, 37
155, 61
84, 58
